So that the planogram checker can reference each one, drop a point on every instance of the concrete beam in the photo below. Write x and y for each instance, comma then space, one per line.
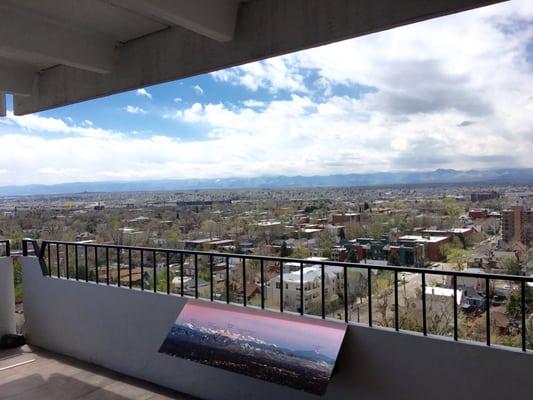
3, 107
34, 37
16, 81
264, 29
212, 18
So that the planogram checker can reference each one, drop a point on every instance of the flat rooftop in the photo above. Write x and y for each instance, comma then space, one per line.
32, 373
422, 239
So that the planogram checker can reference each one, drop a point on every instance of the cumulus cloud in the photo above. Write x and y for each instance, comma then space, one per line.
144, 92
275, 74
198, 90
253, 103
453, 92
135, 110
36, 124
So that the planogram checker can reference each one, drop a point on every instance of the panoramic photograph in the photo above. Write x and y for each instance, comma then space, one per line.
300, 353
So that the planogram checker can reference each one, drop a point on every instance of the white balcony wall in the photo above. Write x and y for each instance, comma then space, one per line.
7, 297
122, 330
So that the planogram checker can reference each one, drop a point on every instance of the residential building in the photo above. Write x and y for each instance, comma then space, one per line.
312, 275
433, 244
346, 218
517, 225
476, 197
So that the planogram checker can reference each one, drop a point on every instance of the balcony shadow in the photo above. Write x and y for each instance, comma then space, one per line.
57, 386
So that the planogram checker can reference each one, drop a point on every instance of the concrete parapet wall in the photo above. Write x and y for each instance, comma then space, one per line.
7, 297
122, 329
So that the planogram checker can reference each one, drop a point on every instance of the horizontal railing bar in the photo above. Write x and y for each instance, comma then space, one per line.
414, 270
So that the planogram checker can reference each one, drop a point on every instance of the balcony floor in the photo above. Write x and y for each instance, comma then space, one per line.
32, 373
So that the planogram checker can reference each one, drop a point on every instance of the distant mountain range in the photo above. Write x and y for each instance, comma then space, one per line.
439, 176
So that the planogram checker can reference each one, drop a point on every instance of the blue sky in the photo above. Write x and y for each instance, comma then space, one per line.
453, 92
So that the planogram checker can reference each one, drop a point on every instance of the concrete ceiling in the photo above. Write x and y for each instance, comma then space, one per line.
59, 52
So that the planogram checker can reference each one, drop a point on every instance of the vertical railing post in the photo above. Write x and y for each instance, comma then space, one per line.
25, 248
301, 288
48, 248
487, 309
211, 285
130, 269
455, 312
77, 262
67, 272
244, 299
281, 297
369, 282
96, 271
323, 289
424, 310
107, 265
523, 314
345, 287
119, 283
155, 270
57, 261
142, 269
196, 275
396, 302
167, 265
262, 266
86, 263
182, 274
227, 279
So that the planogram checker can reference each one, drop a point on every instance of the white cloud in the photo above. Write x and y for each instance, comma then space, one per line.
454, 92
135, 110
198, 90
144, 92
37, 124
274, 75
178, 99
251, 103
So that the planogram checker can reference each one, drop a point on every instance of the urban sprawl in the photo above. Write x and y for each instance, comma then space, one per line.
466, 228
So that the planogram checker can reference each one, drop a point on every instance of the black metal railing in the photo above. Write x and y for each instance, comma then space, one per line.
179, 272
5, 248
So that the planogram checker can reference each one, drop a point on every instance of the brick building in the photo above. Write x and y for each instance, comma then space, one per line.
517, 225
347, 218
432, 244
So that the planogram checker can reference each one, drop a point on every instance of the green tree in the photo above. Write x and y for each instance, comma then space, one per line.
300, 251
512, 266
394, 259
351, 256
453, 210
455, 253
513, 305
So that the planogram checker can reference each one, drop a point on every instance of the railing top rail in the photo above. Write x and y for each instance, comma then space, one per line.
463, 274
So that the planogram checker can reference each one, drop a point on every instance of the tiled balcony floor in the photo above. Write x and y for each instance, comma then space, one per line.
32, 373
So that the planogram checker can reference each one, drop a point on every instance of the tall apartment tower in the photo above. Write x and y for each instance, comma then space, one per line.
517, 225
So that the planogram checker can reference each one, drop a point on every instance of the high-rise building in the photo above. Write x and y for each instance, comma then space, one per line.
517, 225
